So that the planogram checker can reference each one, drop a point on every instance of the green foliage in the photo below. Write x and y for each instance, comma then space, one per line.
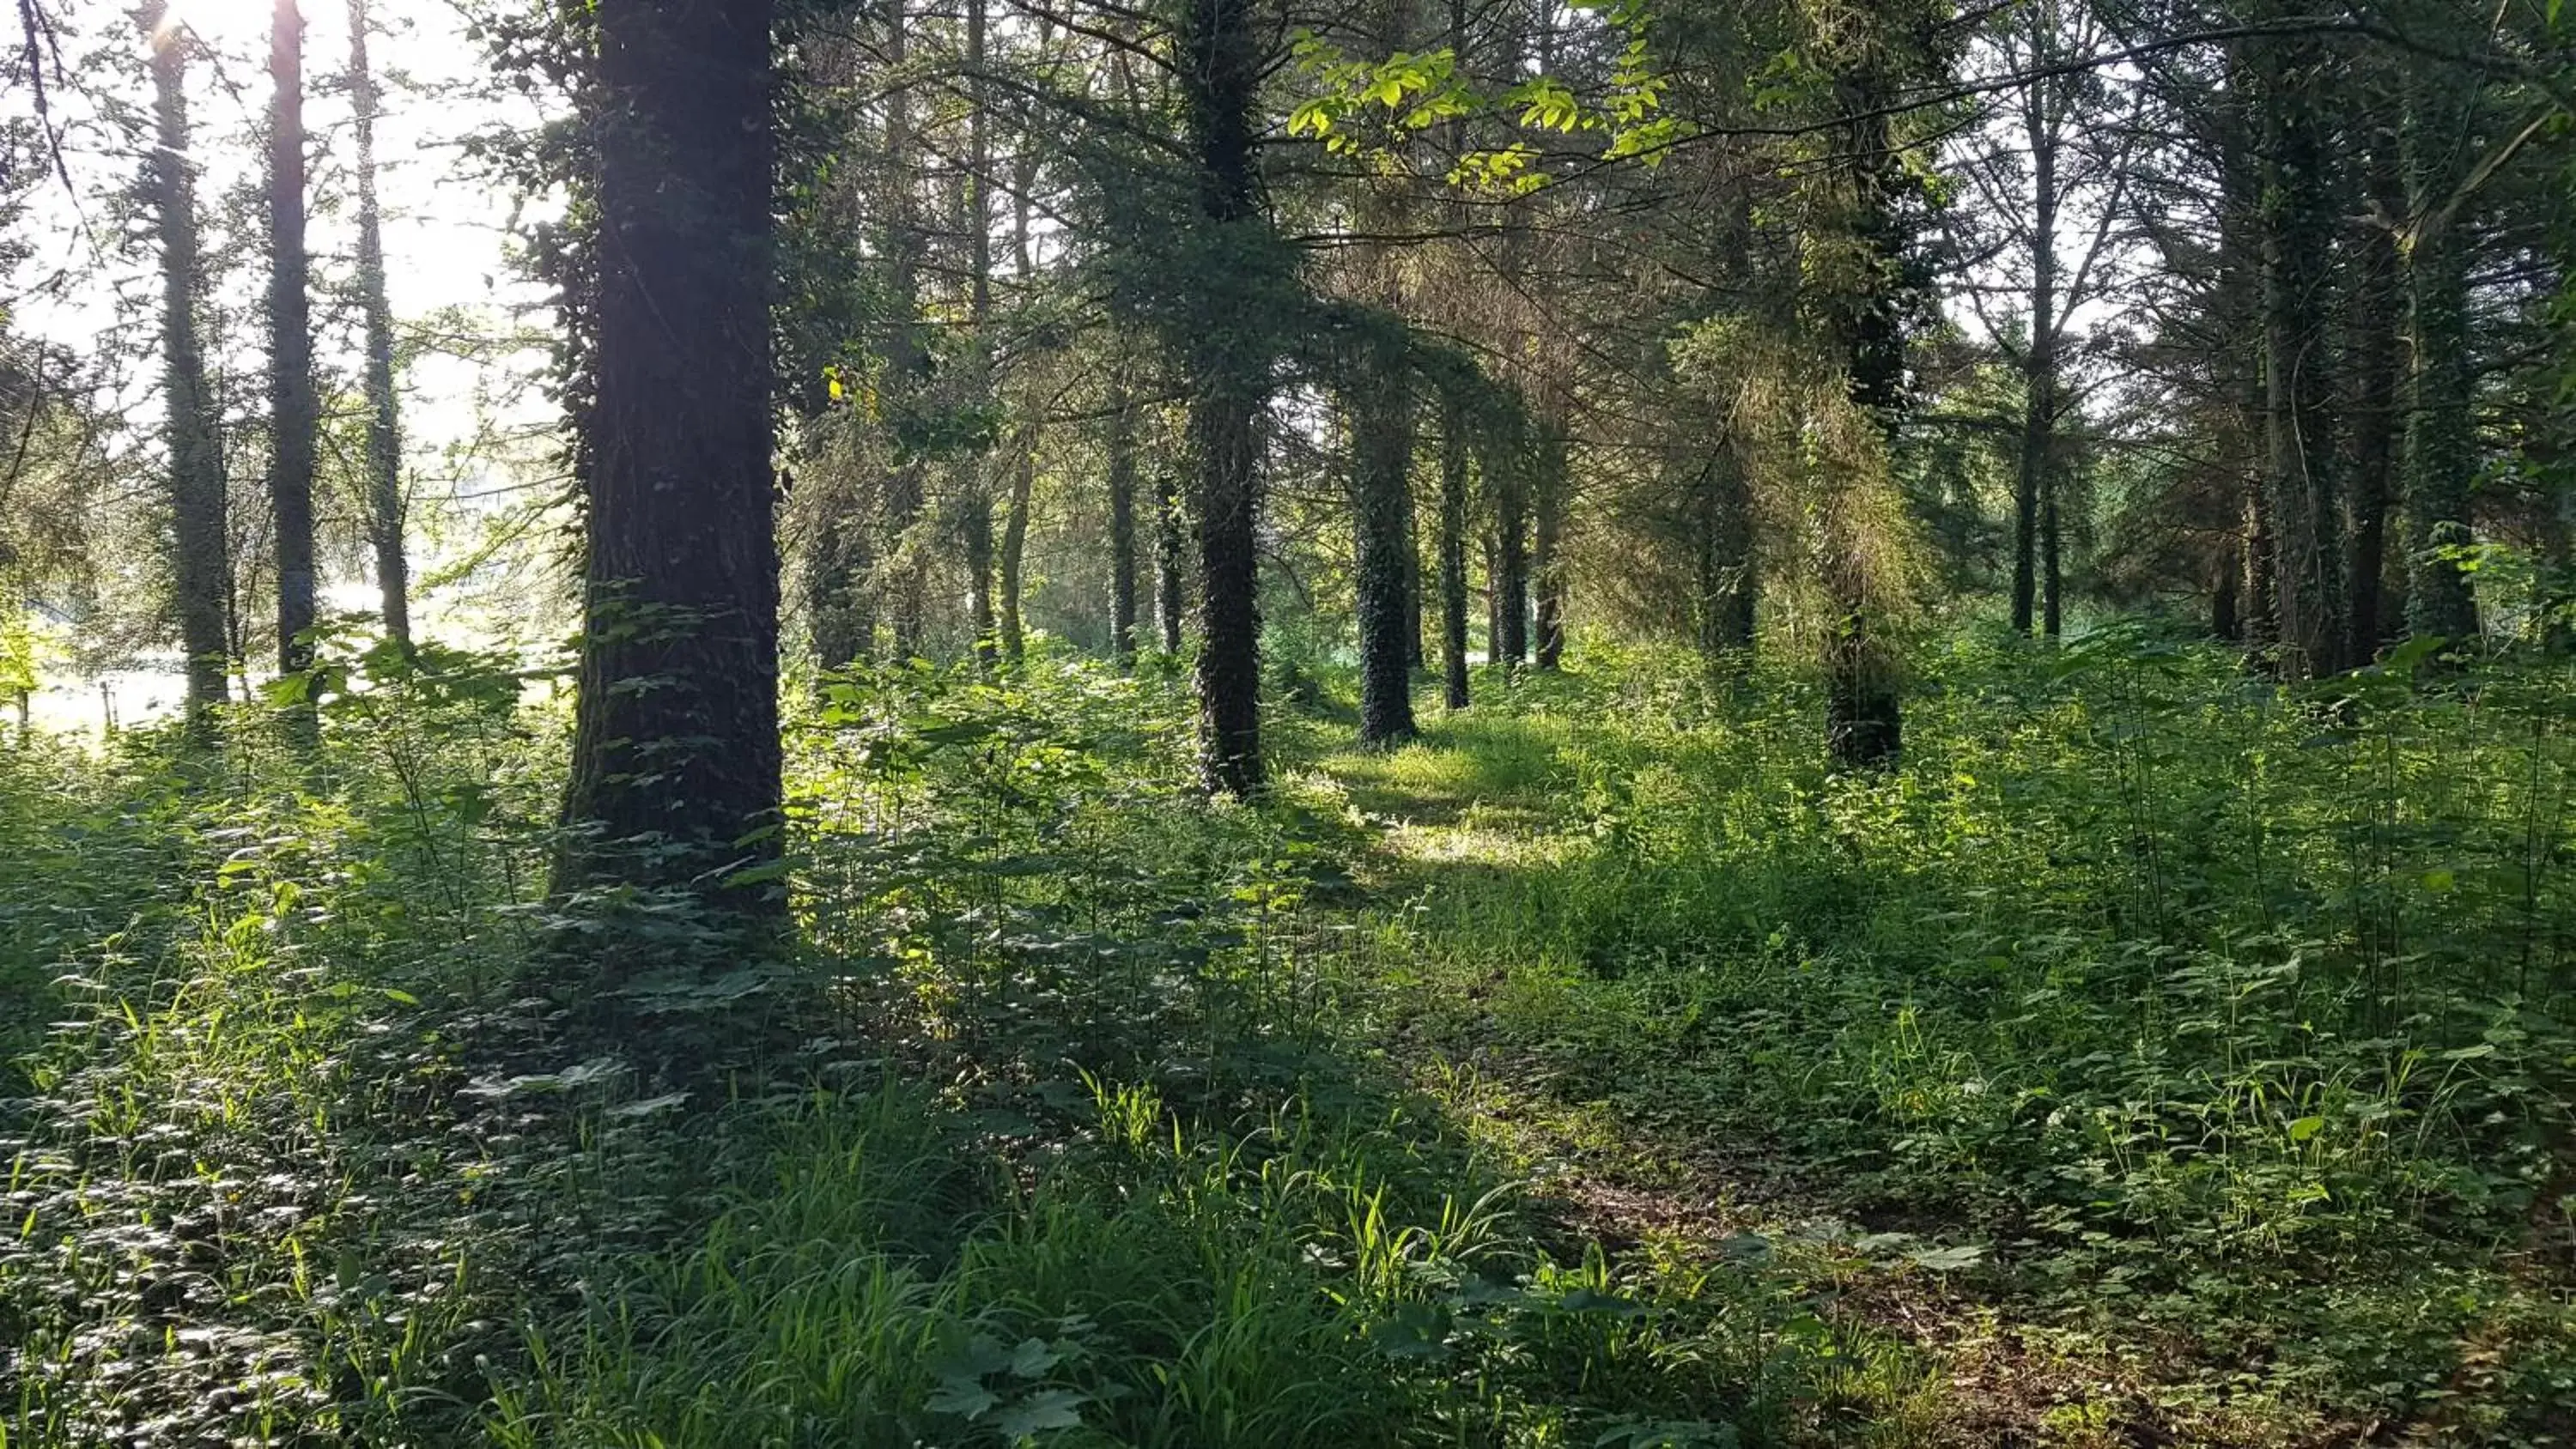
2171, 1004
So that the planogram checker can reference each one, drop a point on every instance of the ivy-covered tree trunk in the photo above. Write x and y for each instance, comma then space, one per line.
1229, 364
200, 567
1122, 526
294, 410
384, 437
2441, 439
1453, 555
2302, 471
1381, 409
675, 762
1864, 726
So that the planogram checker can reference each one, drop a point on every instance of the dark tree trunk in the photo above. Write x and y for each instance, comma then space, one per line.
1727, 576
384, 439
1863, 716
1453, 555
1024, 459
2441, 441
2237, 366
1122, 527
1015, 550
2299, 221
1506, 474
2052, 548
2032, 494
1230, 373
294, 412
676, 746
1414, 654
199, 566
836, 599
1381, 410
907, 357
976, 498
1171, 554
2377, 317
1547, 565
2226, 619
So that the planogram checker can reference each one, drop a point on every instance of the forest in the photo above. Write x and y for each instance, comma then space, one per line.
1234, 724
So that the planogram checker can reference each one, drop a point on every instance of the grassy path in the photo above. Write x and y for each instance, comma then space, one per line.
1476, 825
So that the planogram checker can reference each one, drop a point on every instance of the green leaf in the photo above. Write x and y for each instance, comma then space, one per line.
962, 1397
1050, 1409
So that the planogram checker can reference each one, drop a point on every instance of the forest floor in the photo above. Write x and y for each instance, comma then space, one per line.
1643, 1168
2154, 1058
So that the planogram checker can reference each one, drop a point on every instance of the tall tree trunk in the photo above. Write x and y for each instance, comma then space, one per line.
1863, 714
907, 356
2237, 362
294, 411
1727, 576
1024, 459
1381, 410
2441, 440
2031, 491
1220, 75
976, 498
2377, 316
200, 569
676, 745
1547, 564
836, 597
1507, 470
1171, 552
1122, 526
2299, 221
2052, 550
1015, 548
1453, 554
384, 439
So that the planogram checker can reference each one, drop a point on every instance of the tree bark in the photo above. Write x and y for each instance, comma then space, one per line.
1727, 576
200, 568
676, 746
1453, 555
976, 497
1122, 526
1220, 76
1506, 473
1864, 726
1171, 550
384, 437
1547, 566
2441, 441
2377, 317
294, 411
1381, 409
907, 358
2304, 490
2031, 492
1015, 548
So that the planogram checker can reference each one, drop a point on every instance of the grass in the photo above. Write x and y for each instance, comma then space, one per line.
2156, 1057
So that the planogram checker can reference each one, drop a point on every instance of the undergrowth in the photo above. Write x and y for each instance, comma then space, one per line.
2146, 1005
